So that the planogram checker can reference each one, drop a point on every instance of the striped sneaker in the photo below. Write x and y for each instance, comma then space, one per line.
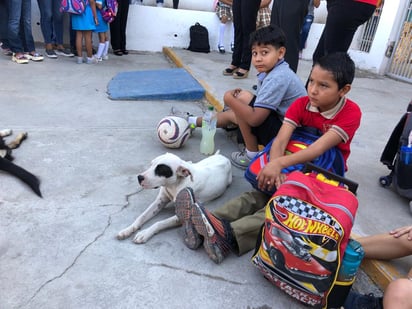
184, 200
218, 235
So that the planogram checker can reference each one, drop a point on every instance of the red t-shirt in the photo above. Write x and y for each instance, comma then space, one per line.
372, 2
344, 119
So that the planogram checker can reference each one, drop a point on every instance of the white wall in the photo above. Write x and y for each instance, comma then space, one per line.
150, 28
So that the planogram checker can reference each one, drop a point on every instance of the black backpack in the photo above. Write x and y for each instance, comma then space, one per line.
199, 39
401, 169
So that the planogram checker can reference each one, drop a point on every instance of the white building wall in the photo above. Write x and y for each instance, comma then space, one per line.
150, 28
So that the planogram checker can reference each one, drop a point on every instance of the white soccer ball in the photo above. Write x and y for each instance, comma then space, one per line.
173, 131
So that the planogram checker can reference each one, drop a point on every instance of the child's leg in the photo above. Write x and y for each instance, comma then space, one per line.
79, 43
106, 47
102, 42
222, 28
232, 99
88, 42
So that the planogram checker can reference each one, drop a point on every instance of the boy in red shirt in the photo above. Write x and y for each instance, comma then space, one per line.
235, 226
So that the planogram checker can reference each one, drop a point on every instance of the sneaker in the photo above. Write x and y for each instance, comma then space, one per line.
359, 301
64, 52
51, 54
184, 200
92, 60
217, 234
7, 51
105, 57
79, 60
19, 58
34, 56
99, 59
221, 49
240, 159
73, 51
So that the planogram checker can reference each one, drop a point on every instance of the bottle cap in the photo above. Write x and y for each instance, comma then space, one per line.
210, 107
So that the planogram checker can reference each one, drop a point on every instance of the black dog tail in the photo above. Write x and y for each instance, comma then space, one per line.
32, 181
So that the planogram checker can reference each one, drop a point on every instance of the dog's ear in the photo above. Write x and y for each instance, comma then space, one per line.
184, 172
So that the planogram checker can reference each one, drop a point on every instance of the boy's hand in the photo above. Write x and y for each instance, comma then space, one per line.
402, 231
270, 176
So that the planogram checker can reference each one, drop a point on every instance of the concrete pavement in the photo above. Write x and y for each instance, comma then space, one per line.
61, 251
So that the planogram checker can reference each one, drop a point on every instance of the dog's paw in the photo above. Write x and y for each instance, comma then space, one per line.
124, 234
141, 237
6, 132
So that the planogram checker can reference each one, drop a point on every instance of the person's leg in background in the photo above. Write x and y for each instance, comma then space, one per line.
305, 31
58, 30
123, 26
46, 25
344, 18
4, 17
289, 15
248, 17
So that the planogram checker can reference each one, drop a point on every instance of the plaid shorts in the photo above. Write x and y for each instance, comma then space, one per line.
263, 17
224, 10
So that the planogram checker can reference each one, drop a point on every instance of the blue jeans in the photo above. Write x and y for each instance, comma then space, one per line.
20, 22
51, 21
307, 23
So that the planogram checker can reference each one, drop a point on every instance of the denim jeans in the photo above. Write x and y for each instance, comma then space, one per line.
20, 22
305, 31
51, 21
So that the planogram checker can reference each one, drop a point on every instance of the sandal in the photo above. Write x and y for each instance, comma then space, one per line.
240, 75
125, 51
118, 52
34, 56
230, 71
20, 59
221, 49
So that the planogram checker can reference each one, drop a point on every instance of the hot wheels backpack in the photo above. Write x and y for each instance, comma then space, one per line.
397, 156
304, 237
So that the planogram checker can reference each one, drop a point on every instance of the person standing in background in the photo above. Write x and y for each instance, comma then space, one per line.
289, 15
19, 32
51, 23
244, 21
344, 18
118, 29
224, 13
307, 23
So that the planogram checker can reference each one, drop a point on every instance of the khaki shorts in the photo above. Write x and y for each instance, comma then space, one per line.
224, 10
263, 18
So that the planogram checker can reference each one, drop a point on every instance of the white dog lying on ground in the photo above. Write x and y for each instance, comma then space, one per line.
208, 178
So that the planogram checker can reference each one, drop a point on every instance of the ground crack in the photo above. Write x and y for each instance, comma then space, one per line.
109, 221
197, 273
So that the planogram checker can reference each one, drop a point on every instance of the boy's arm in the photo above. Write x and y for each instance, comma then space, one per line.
239, 103
271, 175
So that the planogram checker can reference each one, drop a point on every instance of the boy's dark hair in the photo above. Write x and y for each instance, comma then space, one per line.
340, 65
270, 35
